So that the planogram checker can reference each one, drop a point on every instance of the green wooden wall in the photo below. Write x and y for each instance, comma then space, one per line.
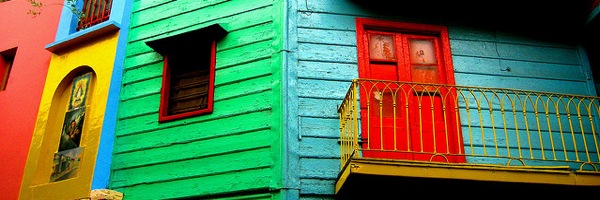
235, 151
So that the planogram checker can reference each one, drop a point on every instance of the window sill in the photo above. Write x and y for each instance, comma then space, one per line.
83, 35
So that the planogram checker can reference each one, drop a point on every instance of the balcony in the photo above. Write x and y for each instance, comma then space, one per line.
94, 12
447, 132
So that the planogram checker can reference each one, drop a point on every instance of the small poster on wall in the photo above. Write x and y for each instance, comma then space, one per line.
72, 129
79, 90
66, 164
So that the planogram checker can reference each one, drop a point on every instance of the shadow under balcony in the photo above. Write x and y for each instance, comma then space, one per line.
407, 136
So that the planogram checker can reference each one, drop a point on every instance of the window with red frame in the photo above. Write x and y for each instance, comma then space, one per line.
6, 59
188, 73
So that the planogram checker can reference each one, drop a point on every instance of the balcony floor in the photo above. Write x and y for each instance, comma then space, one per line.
372, 177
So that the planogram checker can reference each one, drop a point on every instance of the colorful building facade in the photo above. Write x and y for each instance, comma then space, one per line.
69, 153
287, 99
285, 120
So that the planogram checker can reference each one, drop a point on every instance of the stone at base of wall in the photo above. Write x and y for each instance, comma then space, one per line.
105, 194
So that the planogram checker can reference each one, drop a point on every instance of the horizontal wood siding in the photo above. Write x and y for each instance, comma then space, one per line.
326, 61
497, 59
236, 148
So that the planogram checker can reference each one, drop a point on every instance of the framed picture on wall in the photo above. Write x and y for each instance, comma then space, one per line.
66, 164
72, 129
79, 91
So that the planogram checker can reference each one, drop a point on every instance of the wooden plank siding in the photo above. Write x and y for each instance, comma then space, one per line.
324, 61
236, 150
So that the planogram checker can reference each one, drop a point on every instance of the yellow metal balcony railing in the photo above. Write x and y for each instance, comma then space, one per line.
459, 124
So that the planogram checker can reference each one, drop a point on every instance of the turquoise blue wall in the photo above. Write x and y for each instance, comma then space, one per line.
323, 60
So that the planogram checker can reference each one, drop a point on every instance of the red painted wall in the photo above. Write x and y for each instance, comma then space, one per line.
19, 103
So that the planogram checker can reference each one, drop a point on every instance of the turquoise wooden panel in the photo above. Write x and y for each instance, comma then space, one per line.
319, 127
325, 59
546, 85
328, 36
324, 89
327, 71
323, 108
322, 168
461, 32
326, 21
319, 147
496, 67
312, 186
327, 53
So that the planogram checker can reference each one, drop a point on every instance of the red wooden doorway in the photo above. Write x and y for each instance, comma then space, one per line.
401, 119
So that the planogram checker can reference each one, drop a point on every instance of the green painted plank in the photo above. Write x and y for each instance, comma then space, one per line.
249, 103
182, 22
169, 171
163, 11
141, 60
147, 98
211, 145
139, 106
150, 71
243, 87
248, 53
146, 4
259, 178
248, 34
140, 89
154, 138
260, 31
242, 72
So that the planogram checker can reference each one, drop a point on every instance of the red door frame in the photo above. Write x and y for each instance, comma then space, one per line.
363, 27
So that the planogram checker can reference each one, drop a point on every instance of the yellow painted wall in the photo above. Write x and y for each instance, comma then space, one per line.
99, 55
